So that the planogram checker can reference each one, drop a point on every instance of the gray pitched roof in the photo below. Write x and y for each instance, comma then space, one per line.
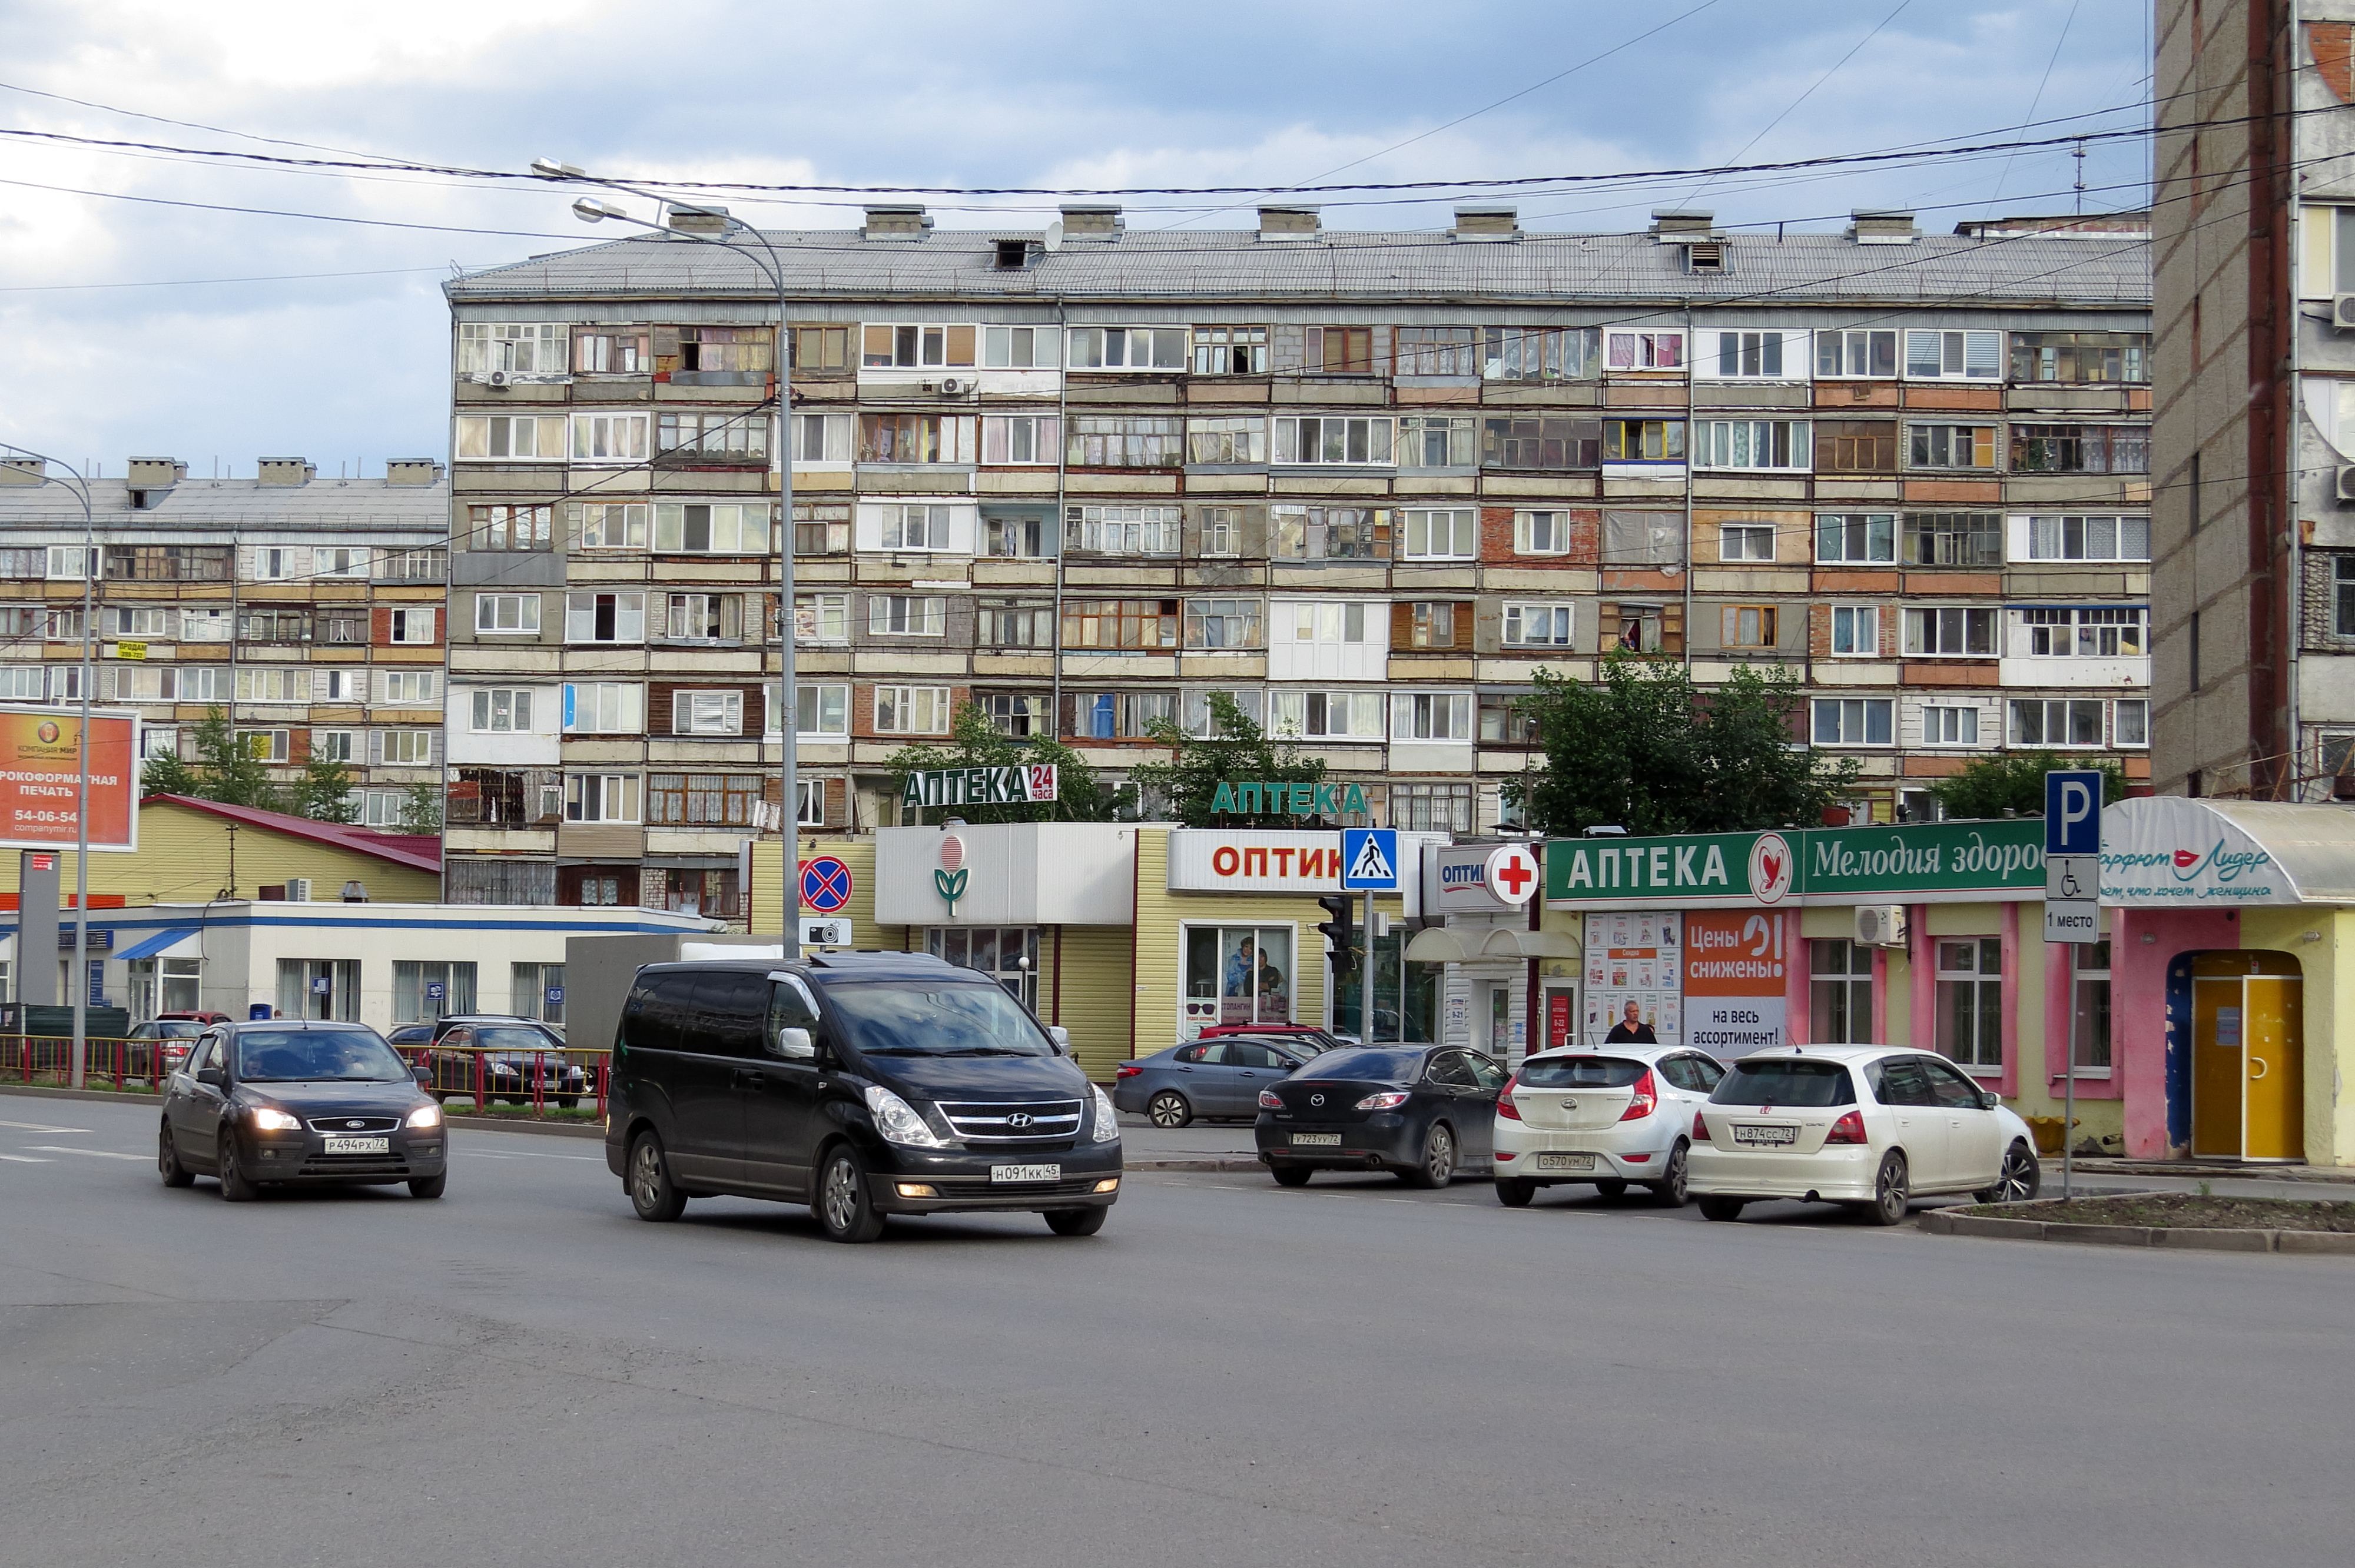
316, 510
1406, 268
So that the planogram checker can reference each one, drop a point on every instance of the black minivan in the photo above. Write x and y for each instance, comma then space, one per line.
861, 1084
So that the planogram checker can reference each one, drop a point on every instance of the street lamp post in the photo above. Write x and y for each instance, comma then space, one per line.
588, 209
80, 488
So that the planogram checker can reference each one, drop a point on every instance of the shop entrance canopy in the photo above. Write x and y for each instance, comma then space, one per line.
2164, 852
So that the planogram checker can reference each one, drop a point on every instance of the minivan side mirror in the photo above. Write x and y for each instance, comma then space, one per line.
795, 1046
1062, 1037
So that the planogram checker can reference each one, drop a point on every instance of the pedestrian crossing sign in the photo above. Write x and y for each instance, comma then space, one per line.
1369, 859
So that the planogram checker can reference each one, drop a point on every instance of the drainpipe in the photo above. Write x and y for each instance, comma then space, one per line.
1690, 404
1062, 453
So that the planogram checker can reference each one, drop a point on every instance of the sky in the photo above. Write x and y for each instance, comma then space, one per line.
142, 313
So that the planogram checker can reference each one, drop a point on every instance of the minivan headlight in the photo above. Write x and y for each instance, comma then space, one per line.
1107, 1128
897, 1120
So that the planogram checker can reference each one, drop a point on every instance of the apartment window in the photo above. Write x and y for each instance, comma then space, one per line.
1853, 354
703, 800
1016, 438
501, 710
1018, 715
1643, 440
1331, 533
1115, 441
1230, 440
72, 561
822, 618
1853, 721
914, 527
1435, 351
1128, 348
537, 438
1746, 542
1856, 632
1954, 539
1442, 536
704, 617
508, 527
21, 561
1016, 538
1431, 808
1950, 632
2080, 448
1197, 720
411, 625
821, 438
907, 615
1644, 350
1121, 715
1128, 624
1639, 628
1754, 443
1220, 624
338, 561
272, 684
1855, 446
1970, 1001
1019, 348
1230, 351
280, 563
620, 526
1327, 716
718, 528
1946, 725
819, 350
611, 353
524, 348
264, 745
1122, 530
346, 685
280, 626
1839, 993
619, 616
1747, 625
1324, 621
1545, 444
2081, 357
822, 528
891, 346
339, 628
601, 797
414, 567
1016, 626
610, 437
1952, 446
2130, 722
2089, 538
399, 687
332, 745
134, 683
1538, 625
19, 622
1749, 355
1330, 440
707, 713
411, 747
1430, 715
176, 562
1437, 441
1340, 350
717, 438
604, 707
1541, 353
911, 710
1433, 624
2056, 722
1954, 356
915, 437
1222, 530
2092, 633
822, 710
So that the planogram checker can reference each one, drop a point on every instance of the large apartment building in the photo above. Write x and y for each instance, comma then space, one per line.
307, 610
1367, 482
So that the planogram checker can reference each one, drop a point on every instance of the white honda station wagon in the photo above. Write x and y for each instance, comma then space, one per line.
1871, 1126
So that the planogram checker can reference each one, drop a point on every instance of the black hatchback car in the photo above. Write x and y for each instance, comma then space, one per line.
1424, 1112
864, 1085
300, 1102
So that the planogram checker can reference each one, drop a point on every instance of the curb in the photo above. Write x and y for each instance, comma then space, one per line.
1205, 1162
98, 1097
476, 1123
1940, 1223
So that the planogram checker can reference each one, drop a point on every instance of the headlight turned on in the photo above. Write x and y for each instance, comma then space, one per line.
268, 1118
426, 1117
897, 1120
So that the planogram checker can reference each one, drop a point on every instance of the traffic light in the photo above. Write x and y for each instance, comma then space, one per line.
1339, 931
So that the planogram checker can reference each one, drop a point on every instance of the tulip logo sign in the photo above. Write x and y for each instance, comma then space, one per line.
949, 880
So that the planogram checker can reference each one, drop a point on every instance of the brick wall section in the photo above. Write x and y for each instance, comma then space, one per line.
2332, 44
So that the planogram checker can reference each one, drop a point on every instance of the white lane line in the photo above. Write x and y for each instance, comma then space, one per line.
40, 1127
528, 1154
25, 1159
93, 1153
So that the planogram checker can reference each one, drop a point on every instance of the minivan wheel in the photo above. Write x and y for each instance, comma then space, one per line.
1438, 1165
845, 1208
1888, 1192
1168, 1109
652, 1193
1076, 1222
2018, 1181
168, 1160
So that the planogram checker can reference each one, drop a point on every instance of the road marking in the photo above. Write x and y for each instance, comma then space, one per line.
40, 1127
93, 1153
530, 1154
25, 1159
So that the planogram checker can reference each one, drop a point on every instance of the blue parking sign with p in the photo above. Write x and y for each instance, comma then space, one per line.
2073, 811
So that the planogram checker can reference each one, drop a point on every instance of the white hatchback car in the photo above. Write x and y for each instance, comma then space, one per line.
1874, 1126
1607, 1116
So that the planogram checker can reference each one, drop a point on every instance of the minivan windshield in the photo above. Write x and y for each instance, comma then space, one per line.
1780, 1081
299, 1055
1580, 1073
896, 1018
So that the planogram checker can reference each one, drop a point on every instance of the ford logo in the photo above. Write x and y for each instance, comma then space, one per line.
1019, 1118
356, 1125
1317, 1100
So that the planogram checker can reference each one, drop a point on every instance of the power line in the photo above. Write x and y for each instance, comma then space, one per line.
1802, 98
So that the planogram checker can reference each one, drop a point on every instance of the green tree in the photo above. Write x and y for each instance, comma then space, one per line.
1081, 795
1645, 749
2015, 782
167, 773
1238, 751
420, 808
225, 770
324, 793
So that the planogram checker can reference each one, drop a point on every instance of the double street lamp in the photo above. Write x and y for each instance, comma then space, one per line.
713, 226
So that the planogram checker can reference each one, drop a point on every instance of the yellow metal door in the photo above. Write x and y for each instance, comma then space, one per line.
2217, 1012
2274, 1117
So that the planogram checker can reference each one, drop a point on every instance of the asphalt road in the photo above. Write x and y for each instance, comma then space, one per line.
1350, 1374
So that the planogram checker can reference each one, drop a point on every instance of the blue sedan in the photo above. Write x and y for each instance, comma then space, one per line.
1204, 1078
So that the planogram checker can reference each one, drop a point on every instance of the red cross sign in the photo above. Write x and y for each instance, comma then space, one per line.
1512, 873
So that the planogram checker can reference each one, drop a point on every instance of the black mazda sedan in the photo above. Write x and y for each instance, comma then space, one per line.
301, 1103
1424, 1112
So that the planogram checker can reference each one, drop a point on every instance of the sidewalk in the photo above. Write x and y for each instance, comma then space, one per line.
1205, 1146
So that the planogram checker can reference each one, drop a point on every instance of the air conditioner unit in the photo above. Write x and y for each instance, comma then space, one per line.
298, 890
2342, 311
497, 378
2347, 483
1880, 924
951, 388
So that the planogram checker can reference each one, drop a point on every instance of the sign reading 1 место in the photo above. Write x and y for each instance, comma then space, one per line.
2072, 855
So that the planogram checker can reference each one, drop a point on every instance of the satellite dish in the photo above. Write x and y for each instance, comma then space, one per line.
1053, 241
